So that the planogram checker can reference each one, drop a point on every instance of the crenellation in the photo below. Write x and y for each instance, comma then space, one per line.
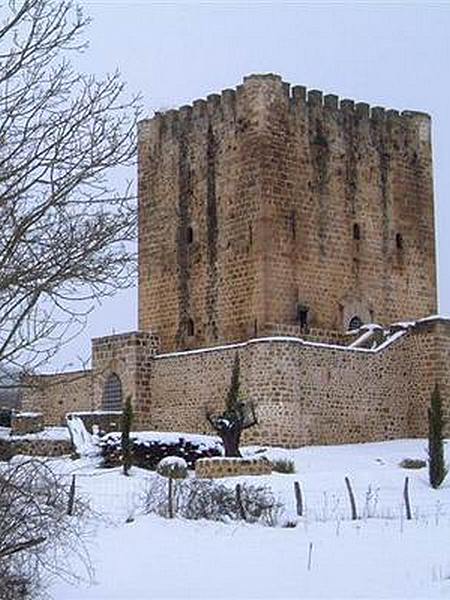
199, 109
362, 109
315, 98
346, 105
331, 101
186, 112
377, 113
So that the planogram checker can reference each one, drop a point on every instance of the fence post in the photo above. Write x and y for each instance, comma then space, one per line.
298, 498
352, 499
170, 498
407, 501
71, 501
310, 556
239, 501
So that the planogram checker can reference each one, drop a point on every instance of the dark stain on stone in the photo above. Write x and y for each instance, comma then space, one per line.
184, 222
212, 232
320, 155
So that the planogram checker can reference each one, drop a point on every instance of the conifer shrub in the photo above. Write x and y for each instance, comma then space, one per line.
127, 419
436, 464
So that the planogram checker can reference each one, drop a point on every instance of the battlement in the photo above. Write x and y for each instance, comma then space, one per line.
259, 89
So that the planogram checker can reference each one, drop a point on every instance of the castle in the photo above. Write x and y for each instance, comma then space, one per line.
280, 224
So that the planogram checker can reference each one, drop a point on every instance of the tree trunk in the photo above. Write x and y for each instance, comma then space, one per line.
230, 441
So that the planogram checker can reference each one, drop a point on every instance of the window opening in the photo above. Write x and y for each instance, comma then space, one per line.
399, 241
356, 231
190, 328
302, 317
190, 235
112, 394
355, 323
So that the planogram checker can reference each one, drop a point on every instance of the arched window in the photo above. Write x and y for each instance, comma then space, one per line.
356, 231
355, 323
399, 241
112, 393
189, 235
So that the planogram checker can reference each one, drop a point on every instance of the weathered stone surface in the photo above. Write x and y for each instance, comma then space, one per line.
22, 423
56, 395
212, 468
261, 200
35, 447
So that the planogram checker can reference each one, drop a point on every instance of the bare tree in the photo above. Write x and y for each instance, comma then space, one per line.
239, 414
37, 537
66, 234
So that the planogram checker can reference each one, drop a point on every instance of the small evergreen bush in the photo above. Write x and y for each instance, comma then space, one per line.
283, 465
172, 466
412, 463
436, 464
127, 419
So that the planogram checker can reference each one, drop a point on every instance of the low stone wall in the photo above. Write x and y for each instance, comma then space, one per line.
56, 395
22, 423
36, 447
212, 468
105, 421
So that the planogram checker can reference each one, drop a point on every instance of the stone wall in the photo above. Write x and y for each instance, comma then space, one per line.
26, 423
266, 198
35, 447
128, 356
56, 395
307, 393
212, 468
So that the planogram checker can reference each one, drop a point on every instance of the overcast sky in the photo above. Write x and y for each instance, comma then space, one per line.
392, 54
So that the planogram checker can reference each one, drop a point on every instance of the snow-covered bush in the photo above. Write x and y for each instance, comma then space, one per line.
37, 537
149, 448
172, 466
207, 499
412, 463
283, 465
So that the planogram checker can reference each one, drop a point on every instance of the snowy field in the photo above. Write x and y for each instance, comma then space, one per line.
381, 555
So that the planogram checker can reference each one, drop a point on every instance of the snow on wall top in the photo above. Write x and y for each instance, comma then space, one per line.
391, 336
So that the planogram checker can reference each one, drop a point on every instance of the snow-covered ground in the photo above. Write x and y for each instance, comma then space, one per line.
381, 555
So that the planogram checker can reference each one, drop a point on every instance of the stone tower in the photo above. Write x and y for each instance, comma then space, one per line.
269, 208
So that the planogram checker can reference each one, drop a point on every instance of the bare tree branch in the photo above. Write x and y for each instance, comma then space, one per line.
67, 235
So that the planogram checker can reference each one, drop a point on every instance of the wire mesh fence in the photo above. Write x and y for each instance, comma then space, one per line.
117, 497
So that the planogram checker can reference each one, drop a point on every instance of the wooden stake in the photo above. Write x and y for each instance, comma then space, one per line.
407, 501
239, 501
71, 502
298, 498
352, 499
170, 498
310, 555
